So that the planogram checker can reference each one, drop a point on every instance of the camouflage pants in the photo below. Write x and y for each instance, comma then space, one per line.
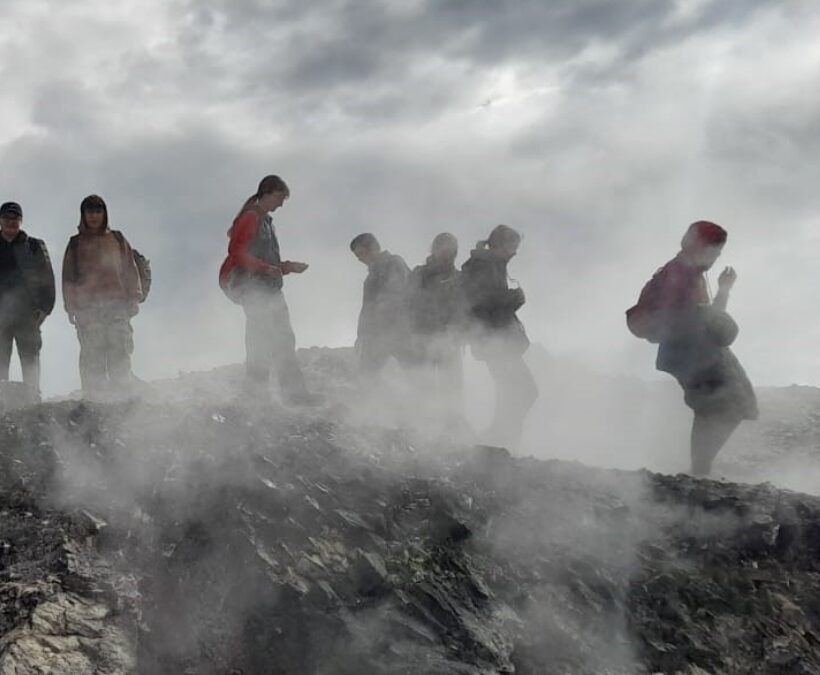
106, 344
25, 333
270, 342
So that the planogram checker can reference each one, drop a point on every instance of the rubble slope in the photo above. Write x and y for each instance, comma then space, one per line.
189, 533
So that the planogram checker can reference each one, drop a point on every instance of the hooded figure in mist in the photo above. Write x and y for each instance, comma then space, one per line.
252, 276
694, 338
437, 308
497, 336
26, 297
384, 329
101, 293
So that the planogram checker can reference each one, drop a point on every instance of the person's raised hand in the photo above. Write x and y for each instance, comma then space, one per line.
727, 279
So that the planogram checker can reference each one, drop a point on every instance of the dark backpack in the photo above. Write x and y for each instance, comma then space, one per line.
143, 264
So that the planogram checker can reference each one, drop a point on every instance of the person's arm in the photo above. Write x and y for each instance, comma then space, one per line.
47, 292
485, 294
130, 276
242, 235
726, 280
69, 284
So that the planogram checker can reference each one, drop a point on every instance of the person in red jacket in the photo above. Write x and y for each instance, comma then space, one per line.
252, 276
693, 333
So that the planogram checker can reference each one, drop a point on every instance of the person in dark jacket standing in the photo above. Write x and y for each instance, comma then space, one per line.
694, 334
436, 309
26, 296
497, 336
383, 328
101, 294
252, 276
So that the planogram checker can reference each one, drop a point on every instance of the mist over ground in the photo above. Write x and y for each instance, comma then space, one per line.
598, 130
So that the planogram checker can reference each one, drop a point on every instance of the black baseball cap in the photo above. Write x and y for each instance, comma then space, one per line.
11, 209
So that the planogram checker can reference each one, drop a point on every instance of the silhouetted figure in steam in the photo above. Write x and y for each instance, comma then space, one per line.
497, 336
252, 276
437, 313
26, 297
694, 334
384, 327
102, 290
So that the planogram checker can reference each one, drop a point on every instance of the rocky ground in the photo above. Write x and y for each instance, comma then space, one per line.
187, 533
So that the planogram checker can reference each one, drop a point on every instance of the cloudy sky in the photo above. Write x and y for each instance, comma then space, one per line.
599, 128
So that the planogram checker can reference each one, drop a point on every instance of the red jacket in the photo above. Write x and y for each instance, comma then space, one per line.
242, 234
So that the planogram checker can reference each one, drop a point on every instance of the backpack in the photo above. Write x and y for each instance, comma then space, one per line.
142, 263
643, 319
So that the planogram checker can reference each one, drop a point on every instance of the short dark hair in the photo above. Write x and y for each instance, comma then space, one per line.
503, 235
365, 240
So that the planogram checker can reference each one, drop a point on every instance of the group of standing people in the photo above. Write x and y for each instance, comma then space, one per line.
422, 318
103, 282
425, 317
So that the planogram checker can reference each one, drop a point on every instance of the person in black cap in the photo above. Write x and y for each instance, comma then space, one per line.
26, 296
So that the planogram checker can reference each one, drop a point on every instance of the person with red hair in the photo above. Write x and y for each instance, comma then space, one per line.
693, 333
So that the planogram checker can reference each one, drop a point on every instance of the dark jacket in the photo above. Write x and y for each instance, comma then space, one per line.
490, 300
436, 300
33, 270
384, 297
253, 250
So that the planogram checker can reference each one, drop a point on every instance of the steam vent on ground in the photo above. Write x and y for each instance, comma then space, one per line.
182, 533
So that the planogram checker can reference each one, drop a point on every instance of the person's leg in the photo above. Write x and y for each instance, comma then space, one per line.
283, 350
709, 435
29, 342
119, 338
515, 394
92, 338
6, 342
450, 372
258, 350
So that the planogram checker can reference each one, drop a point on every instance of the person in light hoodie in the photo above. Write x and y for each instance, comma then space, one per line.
101, 294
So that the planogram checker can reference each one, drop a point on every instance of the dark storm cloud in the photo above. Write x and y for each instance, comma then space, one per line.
336, 44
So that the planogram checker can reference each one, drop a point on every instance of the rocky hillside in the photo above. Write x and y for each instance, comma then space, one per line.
187, 532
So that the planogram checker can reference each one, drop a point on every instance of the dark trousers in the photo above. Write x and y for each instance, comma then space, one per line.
270, 343
709, 434
441, 363
25, 333
106, 344
515, 393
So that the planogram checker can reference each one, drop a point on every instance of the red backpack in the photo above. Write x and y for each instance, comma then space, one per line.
644, 319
